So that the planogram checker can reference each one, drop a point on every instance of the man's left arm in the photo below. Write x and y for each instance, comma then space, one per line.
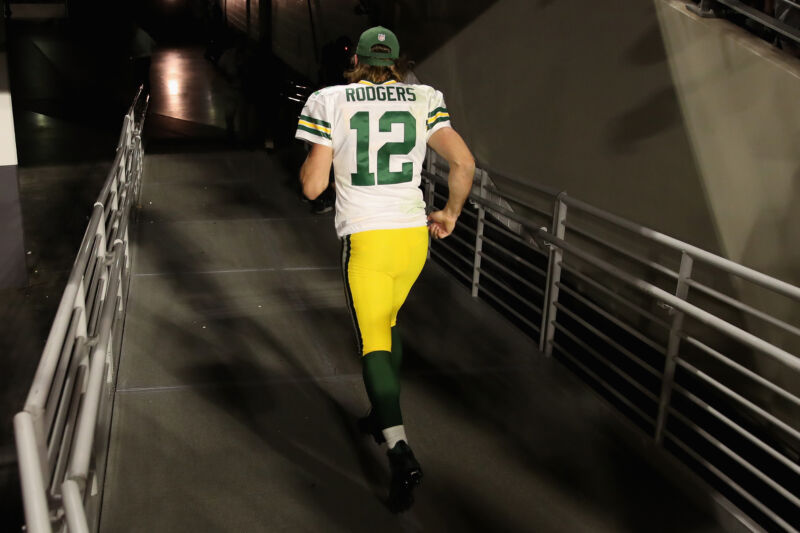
315, 172
314, 127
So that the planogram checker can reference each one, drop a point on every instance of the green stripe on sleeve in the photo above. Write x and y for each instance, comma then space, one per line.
315, 121
437, 121
315, 132
437, 110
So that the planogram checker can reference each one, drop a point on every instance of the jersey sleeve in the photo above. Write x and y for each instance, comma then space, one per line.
314, 123
438, 117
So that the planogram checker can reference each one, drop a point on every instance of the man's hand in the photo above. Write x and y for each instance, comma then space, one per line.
316, 170
441, 224
449, 144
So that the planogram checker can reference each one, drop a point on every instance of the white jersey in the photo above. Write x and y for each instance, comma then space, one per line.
378, 133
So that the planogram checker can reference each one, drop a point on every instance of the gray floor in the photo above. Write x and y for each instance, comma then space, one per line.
239, 388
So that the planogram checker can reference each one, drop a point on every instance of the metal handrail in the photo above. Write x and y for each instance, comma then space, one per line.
581, 246
706, 8
783, 393
764, 19
611, 294
616, 321
739, 334
729, 481
669, 273
737, 428
726, 265
659, 294
731, 267
621, 373
736, 304
56, 430
626, 401
643, 261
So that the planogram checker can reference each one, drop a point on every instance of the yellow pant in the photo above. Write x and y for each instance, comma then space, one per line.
379, 268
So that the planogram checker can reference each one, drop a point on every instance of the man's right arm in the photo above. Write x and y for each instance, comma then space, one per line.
448, 143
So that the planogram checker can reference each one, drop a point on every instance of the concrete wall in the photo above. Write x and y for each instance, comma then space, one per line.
583, 103
12, 247
244, 16
292, 39
298, 42
236, 13
739, 100
422, 26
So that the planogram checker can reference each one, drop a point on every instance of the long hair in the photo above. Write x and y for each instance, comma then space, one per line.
378, 74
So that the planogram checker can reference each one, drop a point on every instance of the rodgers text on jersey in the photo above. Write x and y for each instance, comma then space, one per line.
379, 134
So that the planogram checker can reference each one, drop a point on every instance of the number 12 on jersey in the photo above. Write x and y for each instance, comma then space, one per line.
360, 123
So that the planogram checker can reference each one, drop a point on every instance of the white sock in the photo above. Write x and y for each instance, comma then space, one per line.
394, 434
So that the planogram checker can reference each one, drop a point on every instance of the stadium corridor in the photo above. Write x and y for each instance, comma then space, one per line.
239, 388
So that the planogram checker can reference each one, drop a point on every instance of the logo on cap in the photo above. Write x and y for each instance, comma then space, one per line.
381, 36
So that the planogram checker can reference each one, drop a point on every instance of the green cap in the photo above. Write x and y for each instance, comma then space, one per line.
373, 36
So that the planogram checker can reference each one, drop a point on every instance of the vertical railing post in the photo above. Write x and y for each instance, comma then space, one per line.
100, 259
126, 239
38, 420
138, 163
682, 292
114, 206
124, 164
555, 256
429, 188
476, 262
124, 133
80, 303
429, 185
73, 507
34, 496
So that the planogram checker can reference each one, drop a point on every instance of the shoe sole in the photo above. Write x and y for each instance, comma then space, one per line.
402, 498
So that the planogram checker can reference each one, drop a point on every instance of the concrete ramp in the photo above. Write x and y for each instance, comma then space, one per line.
239, 388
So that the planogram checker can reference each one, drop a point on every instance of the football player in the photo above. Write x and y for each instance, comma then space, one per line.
374, 132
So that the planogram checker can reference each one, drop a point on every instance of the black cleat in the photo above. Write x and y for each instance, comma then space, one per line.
368, 425
406, 475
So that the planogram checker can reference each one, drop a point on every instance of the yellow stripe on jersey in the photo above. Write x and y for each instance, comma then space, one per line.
315, 126
365, 82
437, 116
318, 127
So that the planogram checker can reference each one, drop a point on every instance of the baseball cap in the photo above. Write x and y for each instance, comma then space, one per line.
382, 36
